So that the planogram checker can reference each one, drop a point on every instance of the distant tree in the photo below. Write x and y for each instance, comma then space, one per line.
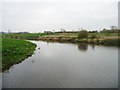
113, 27
93, 31
105, 30
63, 30
2, 32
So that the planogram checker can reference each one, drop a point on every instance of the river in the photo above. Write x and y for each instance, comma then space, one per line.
65, 65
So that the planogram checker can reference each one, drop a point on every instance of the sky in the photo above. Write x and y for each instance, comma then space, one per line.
44, 15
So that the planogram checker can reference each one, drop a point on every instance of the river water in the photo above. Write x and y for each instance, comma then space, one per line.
65, 65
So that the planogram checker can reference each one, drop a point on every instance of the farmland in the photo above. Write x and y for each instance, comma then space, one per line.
28, 36
14, 51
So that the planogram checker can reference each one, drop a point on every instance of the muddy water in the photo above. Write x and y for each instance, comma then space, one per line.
58, 65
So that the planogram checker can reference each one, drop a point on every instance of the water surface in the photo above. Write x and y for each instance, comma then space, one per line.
60, 65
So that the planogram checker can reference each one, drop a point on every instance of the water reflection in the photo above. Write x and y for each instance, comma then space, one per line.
0, 81
83, 47
93, 46
61, 65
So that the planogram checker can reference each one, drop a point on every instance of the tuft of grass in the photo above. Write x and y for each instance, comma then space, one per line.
14, 51
113, 42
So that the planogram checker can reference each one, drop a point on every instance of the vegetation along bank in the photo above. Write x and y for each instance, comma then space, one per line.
15, 48
14, 51
111, 39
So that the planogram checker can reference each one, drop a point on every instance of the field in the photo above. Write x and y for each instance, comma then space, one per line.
14, 51
28, 36
32, 36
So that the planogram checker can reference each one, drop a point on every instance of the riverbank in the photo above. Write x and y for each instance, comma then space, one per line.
99, 40
110, 39
108, 42
15, 51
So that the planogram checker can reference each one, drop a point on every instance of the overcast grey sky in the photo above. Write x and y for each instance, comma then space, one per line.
36, 16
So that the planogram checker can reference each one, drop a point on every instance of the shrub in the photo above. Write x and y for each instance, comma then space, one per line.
93, 36
82, 34
114, 42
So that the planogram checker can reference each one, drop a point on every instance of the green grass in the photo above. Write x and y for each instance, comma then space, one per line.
109, 34
28, 36
113, 42
14, 51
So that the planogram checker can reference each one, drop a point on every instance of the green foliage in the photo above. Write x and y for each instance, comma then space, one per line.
109, 34
82, 34
93, 36
15, 50
112, 30
113, 42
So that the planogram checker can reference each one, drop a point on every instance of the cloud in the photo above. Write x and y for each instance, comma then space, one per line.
36, 17
59, 0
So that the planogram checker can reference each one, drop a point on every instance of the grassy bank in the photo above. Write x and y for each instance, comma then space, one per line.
14, 51
110, 39
28, 36
96, 38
